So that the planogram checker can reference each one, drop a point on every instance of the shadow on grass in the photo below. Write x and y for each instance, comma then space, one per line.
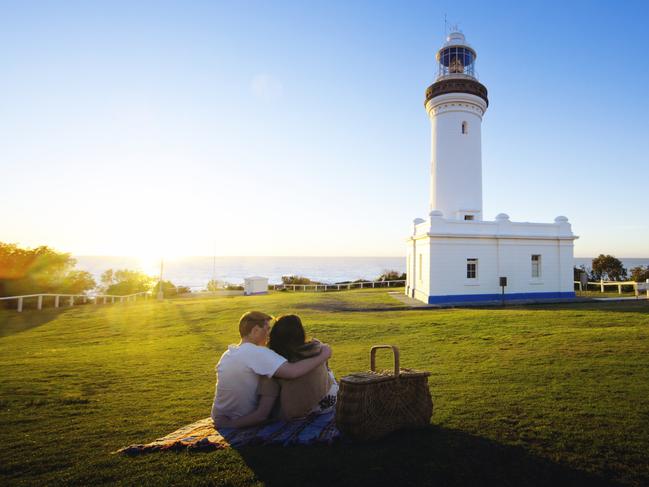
634, 306
435, 456
333, 306
12, 322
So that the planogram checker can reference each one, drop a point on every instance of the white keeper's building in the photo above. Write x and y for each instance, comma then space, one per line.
456, 256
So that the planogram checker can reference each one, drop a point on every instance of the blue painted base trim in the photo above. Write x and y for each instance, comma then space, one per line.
477, 298
255, 294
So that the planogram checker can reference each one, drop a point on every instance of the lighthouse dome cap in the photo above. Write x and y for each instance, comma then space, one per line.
456, 38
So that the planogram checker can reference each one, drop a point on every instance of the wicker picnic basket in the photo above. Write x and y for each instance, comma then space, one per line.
373, 404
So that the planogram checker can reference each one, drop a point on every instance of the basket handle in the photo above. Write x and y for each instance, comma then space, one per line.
395, 351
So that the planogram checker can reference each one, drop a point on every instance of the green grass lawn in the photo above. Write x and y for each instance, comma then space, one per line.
533, 395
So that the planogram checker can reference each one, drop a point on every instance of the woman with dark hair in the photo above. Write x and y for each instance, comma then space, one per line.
313, 393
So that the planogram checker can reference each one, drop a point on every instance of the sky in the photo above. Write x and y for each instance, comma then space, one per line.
298, 128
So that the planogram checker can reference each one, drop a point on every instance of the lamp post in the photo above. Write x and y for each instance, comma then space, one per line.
160, 293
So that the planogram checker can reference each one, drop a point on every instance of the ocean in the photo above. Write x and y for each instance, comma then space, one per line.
195, 272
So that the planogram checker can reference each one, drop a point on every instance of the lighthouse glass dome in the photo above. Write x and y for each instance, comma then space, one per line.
456, 60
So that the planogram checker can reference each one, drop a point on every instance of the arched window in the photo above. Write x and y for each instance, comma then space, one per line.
465, 127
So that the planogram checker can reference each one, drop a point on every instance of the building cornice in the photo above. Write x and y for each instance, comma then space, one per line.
492, 237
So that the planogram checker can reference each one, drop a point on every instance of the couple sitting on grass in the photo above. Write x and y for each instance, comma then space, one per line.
251, 376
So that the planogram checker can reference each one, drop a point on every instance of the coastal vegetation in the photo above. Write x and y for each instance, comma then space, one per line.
125, 281
639, 273
40, 270
608, 268
523, 395
43, 270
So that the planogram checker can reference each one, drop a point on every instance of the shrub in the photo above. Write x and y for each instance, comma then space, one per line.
640, 273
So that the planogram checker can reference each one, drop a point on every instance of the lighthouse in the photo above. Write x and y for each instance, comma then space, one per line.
456, 255
456, 103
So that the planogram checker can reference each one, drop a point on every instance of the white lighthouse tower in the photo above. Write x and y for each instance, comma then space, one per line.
456, 256
455, 104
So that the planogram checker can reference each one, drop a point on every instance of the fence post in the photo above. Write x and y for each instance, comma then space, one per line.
349, 286
71, 300
601, 285
56, 301
647, 288
619, 288
40, 302
20, 305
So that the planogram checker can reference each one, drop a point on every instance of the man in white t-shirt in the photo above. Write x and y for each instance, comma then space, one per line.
236, 402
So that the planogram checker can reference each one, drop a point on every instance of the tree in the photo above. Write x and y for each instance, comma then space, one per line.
124, 281
77, 282
38, 271
608, 268
107, 278
640, 273
168, 289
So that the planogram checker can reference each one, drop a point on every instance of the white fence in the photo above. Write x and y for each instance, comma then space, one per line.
70, 299
637, 286
336, 287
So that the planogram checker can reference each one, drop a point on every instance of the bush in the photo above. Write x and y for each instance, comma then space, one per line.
640, 273
391, 276
214, 285
290, 280
124, 281
168, 289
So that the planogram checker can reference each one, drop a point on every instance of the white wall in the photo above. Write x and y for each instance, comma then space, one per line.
456, 158
503, 248
498, 257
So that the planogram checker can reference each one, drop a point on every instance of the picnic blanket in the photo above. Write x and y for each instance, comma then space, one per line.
201, 435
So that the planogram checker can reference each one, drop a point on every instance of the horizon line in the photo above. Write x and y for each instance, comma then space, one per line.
303, 256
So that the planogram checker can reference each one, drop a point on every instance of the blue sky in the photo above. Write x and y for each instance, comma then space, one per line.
298, 128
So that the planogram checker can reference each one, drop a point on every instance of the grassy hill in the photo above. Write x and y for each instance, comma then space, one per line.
534, 395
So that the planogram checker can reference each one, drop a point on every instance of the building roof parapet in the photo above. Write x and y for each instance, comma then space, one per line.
437, 225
